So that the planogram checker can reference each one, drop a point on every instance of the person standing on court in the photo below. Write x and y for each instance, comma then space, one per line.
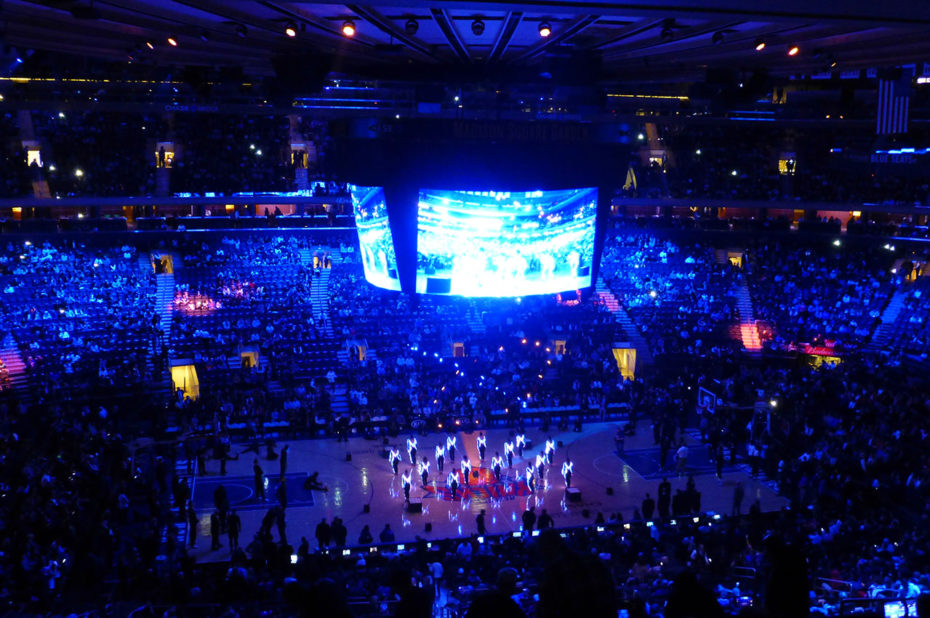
453, 484
215, 531
406, 481
480, 522
283, 460
482, 443
424, 471
450, 447
259, 480
665, 498
648, 508
233, 528
508, 452
440, 457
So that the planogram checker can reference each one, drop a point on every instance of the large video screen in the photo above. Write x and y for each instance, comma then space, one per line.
499, 243
374, 236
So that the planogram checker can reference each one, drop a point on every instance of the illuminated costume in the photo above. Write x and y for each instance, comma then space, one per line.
482, 446
406, 481
423, 467
497, 464
531, 478
394, 458
466, 470
450, 446
508, 453
453, 484
521, 444
550, 450
440, 456
412, 449
567, 472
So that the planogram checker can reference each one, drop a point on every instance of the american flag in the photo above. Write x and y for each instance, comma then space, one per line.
894, 99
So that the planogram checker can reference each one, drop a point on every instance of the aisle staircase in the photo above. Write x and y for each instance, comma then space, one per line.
15, 367
643, 353
162, 182
748, 331
476, 322
301, 179
164, 307
883, 335
319, 301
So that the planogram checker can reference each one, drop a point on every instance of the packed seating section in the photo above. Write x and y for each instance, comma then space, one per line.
837, 448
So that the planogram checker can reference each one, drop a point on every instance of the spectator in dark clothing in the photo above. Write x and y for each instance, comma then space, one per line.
649, 506
324, 533
498, 603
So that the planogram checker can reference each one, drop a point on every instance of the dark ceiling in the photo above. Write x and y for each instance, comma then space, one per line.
636, 40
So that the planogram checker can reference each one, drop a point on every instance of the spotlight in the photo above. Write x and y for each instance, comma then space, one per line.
477, 27
717, 38
760, 44
833, 62
172, 41
348, 28
545, 29
242, 31
411, 27
793, 50
150, 45
290, 29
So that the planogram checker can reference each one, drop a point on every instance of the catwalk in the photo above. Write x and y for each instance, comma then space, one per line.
368, 479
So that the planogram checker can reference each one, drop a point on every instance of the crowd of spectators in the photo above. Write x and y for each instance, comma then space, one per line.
680, 297
87, 513
98, 153
823, 297
757, 161
227, 153
82, 316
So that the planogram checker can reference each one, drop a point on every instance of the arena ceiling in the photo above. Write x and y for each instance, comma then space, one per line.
635, 40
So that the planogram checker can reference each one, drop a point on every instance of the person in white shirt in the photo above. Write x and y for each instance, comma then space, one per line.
466, 470
423, 467
394, 457
540, 465
440, 456
412, 449
450, 446
452, 483
482, 445
567, 468
550, 450
508, 453
406, 481
497, 463
521, 443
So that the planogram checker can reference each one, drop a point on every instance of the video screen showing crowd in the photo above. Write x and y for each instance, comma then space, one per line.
376, 242
505, 244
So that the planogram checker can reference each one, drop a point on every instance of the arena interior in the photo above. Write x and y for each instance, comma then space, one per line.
465, 310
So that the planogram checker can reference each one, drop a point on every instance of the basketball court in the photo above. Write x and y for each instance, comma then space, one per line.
607, 482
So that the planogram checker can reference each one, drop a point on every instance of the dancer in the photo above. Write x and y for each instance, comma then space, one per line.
508, 452
497, 462
394, 458
567, 468
440, 457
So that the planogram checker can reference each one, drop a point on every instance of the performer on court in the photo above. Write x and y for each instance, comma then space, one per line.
521, 443
550, 449
508, 453
453, 484
482, 445
406, 481
424, 471
531, 478
440, 457
466, 469
450, 447
567, 472
394, 457
497, 463
540, 465
412, 449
